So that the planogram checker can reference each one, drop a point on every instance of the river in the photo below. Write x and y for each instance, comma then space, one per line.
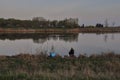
83, 43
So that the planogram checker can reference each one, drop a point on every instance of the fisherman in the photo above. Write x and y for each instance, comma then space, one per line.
52, 53
71, 52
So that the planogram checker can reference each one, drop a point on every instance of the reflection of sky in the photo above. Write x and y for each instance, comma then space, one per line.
9, 47
88, 11
87, 43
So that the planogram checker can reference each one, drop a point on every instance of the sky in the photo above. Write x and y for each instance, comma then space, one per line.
89, 12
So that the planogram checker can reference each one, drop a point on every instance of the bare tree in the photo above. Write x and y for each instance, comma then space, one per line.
106, 23
113, 23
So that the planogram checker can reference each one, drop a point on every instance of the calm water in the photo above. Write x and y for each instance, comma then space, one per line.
82, 43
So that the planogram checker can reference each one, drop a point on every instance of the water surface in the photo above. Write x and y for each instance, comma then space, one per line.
91, 43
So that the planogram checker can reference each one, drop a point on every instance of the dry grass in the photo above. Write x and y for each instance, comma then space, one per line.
42, 67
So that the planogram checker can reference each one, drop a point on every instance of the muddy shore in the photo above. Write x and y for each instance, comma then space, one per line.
73, 30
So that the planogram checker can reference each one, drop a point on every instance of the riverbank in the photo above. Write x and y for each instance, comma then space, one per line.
100, 30
41, 67
46, 31
62, 30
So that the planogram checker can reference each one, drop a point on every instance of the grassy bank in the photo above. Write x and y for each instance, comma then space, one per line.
42, 67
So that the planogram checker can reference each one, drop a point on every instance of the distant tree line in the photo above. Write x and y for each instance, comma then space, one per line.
38, 22
41, 22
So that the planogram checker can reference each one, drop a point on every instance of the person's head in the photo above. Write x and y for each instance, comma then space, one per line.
71, 48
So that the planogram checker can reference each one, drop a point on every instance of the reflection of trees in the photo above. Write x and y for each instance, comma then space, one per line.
20, 36
69, 38
64, 37
106, 37
112, 37
40, 38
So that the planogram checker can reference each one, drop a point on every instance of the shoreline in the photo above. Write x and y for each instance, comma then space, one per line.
44, 54
62, 30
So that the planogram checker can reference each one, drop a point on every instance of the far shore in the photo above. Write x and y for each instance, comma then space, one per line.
61, 30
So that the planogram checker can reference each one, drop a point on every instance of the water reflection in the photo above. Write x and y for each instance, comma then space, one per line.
112, 37
41, 38
105, 37
108, 36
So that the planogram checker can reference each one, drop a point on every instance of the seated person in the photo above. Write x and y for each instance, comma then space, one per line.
71, 52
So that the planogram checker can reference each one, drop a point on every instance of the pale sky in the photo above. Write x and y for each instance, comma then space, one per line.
89, 12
